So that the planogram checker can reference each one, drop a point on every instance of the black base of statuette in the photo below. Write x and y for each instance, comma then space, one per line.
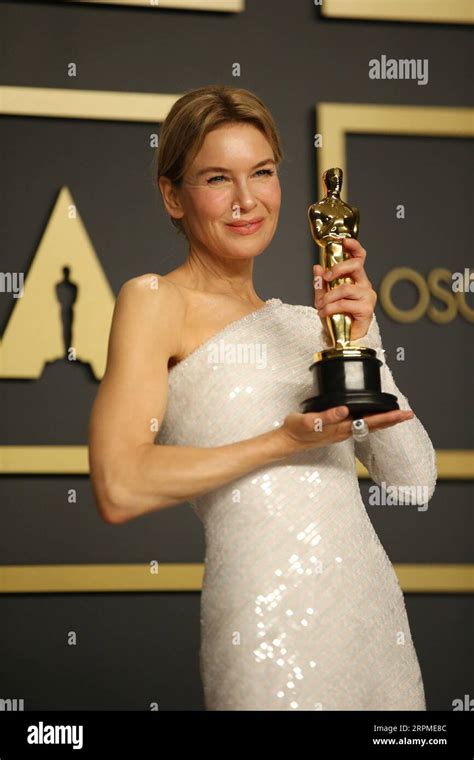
349, 377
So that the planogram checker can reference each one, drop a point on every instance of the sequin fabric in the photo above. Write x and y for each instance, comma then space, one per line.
301, 608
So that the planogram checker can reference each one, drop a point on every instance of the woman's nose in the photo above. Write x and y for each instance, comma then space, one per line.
244, 198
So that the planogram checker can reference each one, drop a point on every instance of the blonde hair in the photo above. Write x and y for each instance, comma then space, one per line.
197, 113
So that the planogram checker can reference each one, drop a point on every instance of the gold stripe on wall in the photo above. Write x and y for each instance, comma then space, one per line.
436, 578
452, 464
83, 578
85, 104
186, 5
32, 579
44, 460
435, 11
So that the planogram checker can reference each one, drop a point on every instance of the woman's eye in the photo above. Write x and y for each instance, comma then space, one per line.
214, 181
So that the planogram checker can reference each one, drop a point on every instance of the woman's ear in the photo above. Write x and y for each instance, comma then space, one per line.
170, 195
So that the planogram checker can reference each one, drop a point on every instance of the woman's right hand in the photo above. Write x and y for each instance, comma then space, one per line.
318, 429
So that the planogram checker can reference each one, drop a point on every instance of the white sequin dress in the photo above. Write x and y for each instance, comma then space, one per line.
301, 608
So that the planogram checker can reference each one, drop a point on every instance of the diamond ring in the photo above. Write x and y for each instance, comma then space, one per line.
360, 429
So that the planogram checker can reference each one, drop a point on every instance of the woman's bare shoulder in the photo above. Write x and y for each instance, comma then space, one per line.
170, 295
154, 307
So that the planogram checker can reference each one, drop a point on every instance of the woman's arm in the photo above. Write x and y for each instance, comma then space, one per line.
130, 474
401, 456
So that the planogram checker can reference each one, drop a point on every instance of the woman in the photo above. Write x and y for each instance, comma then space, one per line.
300, 608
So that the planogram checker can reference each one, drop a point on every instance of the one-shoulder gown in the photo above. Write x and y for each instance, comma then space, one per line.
301, 609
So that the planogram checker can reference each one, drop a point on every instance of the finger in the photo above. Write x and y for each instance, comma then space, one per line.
331, 416
319, 285
352, 246
344, 428
346, 291
360, 308
318, 278
350, 267
374, 421
387, 425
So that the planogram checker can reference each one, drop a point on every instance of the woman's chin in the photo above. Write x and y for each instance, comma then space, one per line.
246, 246
237, 251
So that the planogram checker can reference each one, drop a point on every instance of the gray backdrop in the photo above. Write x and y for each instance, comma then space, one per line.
135, 648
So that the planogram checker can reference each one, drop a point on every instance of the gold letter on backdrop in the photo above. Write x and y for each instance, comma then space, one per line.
34, 333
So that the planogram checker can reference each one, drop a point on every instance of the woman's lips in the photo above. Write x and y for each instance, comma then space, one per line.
247, 229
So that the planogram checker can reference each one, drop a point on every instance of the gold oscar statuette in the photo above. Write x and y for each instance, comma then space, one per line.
343, 374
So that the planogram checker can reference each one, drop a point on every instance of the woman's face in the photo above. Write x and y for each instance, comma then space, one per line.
233, 179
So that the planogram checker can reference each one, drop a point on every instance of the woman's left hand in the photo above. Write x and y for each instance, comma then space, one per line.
357, 299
